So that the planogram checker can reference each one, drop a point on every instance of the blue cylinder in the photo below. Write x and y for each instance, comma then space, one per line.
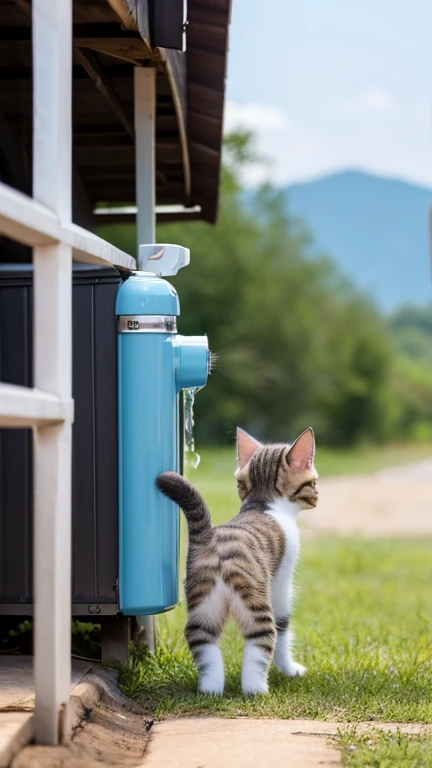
154, 364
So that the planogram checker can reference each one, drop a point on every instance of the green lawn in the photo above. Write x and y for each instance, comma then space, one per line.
363, 629
377, 749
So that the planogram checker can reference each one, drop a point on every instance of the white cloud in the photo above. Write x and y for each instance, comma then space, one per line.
370, 100
287, 149
332, 138
254, 117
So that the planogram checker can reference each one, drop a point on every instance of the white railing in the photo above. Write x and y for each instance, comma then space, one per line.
44, 223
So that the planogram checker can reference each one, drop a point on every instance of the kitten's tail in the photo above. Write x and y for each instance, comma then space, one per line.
179, 490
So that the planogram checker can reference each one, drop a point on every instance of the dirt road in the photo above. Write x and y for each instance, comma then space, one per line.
393, 502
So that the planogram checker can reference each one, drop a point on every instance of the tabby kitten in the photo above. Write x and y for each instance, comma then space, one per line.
244, 568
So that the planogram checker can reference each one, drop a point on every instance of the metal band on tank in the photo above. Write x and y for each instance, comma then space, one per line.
146, 324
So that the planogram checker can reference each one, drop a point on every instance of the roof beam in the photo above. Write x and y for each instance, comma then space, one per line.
176, 71
94, 70
24, 6
129, 49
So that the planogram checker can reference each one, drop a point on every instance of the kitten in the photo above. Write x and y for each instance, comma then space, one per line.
244, 568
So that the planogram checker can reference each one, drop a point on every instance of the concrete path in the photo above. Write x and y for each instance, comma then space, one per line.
243, 743
115, 737
394, 502
247, 743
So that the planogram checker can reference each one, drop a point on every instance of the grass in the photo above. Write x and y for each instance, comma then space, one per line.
363, 629
378, 749
362, 622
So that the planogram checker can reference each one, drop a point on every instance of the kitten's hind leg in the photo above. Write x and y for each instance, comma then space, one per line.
282, 655
203, 643
258, 630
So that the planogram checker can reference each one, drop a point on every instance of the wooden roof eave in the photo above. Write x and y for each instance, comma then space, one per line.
127, 13
135, 17
175, 63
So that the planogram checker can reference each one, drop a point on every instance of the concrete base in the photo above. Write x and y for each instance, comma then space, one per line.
17, 702
113, 733
16, 730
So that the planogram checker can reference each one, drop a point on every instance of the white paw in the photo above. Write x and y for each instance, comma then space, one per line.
294, 669
210, 688
211, 677
254, 690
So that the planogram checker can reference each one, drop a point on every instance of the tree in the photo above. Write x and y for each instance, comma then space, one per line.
295, 343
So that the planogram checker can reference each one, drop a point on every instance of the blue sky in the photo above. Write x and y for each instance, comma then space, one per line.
333, 84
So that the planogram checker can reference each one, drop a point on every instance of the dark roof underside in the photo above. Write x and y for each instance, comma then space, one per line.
190, 99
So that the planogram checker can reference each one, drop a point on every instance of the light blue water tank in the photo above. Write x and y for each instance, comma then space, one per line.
154, 364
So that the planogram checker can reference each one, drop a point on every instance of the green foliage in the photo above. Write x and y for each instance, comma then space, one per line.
415, 318
296, 344
86, 639
411, 376
16, 636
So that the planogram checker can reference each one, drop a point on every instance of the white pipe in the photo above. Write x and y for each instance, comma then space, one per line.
145, 184
145, 170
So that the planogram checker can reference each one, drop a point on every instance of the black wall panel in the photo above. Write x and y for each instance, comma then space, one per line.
94, 460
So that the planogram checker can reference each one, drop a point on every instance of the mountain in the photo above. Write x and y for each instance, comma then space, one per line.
375, 228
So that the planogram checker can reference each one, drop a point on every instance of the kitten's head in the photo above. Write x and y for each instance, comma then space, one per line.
277, 471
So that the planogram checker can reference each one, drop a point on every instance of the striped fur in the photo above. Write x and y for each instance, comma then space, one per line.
244, 568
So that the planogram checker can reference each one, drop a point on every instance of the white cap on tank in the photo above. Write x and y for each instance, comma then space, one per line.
163, 259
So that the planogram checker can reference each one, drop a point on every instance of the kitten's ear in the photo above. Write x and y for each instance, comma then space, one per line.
302, 452
246, 447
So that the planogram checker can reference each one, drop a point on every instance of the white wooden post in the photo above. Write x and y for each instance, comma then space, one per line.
145, 133
145, 185
44, 223
52, 184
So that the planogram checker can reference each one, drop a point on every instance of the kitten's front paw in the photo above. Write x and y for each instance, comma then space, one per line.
210, 690
254, 690
295, 670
